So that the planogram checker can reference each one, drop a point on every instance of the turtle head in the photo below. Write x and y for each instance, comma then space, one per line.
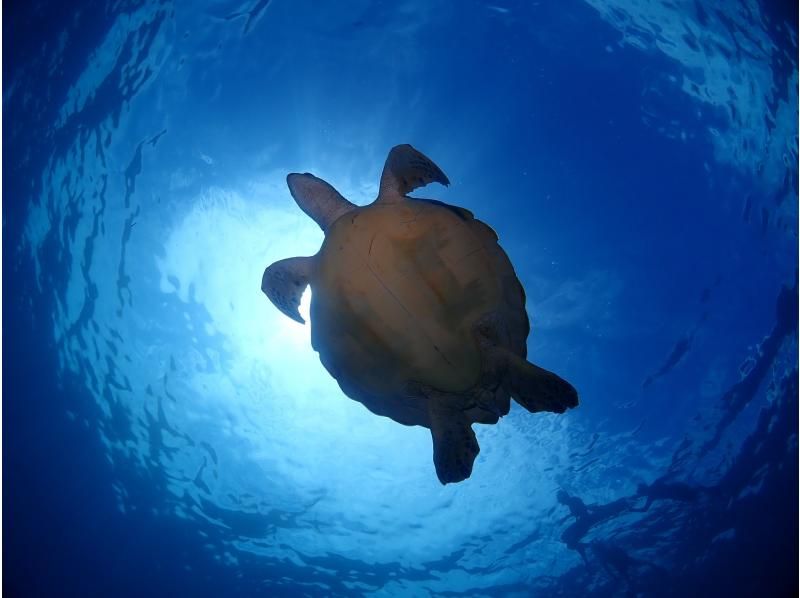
324, 204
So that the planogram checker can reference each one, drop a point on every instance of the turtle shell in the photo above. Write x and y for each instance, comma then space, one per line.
396, 292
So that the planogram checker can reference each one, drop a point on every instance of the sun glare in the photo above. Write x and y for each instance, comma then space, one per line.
299, 335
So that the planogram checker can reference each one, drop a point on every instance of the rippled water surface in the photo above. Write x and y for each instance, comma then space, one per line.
167, 431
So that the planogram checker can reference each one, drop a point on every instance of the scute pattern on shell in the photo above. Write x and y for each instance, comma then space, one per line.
425, 258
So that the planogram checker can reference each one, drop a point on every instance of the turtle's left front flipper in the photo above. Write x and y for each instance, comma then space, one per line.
407, 169
284, 283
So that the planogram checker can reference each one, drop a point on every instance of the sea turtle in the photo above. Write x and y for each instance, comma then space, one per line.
416, 310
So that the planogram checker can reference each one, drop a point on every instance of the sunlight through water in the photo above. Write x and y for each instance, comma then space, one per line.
638, 163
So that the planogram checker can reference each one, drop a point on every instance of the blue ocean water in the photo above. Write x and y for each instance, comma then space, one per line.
166, 431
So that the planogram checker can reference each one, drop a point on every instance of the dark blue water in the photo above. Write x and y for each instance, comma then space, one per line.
166, 431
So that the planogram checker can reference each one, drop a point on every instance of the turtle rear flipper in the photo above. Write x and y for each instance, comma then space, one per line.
535, 388
454, 444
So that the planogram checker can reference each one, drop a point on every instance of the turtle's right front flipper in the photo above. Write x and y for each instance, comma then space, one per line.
284, 283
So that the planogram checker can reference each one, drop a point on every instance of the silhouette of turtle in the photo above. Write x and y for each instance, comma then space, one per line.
416, 310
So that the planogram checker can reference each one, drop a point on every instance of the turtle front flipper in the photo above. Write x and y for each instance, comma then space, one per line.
407, 169
533, 387
454, 444
284, 283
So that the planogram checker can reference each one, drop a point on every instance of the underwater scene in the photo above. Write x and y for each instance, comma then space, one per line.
605, 189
